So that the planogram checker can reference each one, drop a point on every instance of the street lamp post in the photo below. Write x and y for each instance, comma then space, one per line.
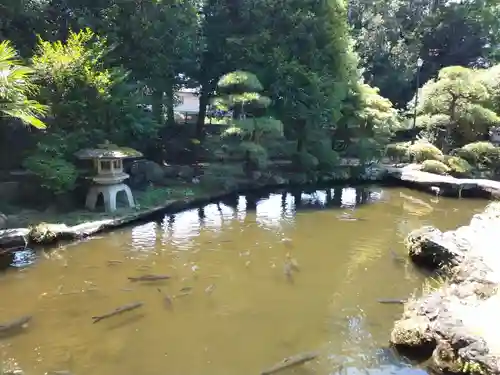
420, 62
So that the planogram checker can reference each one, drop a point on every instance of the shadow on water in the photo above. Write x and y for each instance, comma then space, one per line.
240, 315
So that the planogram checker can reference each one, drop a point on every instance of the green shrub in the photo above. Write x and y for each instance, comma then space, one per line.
435, 166
305, 162
398, 151
222, 176
458, 166
279, 147
56, 174
480, 153
257, 155
464, 154
239, 81
365, 149
425, 151
327, 158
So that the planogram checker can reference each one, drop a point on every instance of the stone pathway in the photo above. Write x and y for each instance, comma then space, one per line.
410, 174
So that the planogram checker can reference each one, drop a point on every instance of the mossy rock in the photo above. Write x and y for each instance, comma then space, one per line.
412, 332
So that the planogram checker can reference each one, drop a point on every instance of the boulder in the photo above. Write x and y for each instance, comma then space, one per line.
411, 332
186, 172
170, 171
458, 320
13, 237
145, 172
430, 247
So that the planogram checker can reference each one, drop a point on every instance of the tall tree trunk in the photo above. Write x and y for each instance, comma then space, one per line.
301, 135
157, 104
202, 112
169, 104
453, 122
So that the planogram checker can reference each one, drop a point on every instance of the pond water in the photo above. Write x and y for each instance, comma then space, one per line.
232, 308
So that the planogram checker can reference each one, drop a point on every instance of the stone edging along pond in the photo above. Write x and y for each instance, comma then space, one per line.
457, 324
450, 186
46, 233
50, 233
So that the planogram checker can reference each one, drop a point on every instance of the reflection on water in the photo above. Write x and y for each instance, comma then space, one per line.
271, 213
230, 308
23, 258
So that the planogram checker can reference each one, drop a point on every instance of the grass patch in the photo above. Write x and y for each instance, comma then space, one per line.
433, 283
429, 286
145, 200
157, 196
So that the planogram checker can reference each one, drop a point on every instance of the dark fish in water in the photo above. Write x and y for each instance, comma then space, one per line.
348, 217
18, 323
149, 278
343, 218
166, 300
288, 271
209, 289
392, 300
118, 311
114, 261
395, 257
186, 289
294, 265
290, 362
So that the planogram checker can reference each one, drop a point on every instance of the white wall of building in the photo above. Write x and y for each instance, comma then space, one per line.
188, 102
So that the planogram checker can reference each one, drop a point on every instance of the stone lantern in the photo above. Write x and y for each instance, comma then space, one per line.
108, 181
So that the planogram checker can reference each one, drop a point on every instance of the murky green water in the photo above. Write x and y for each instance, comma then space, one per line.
233, 310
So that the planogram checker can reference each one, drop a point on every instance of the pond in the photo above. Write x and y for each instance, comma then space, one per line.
234, 307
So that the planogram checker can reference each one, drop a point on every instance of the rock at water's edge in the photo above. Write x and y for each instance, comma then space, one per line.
430, 247
10, 238
459, 321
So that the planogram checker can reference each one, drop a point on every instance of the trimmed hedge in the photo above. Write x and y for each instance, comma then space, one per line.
435, 166
425, 151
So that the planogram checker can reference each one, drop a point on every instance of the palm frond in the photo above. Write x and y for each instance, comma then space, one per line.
15, 87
